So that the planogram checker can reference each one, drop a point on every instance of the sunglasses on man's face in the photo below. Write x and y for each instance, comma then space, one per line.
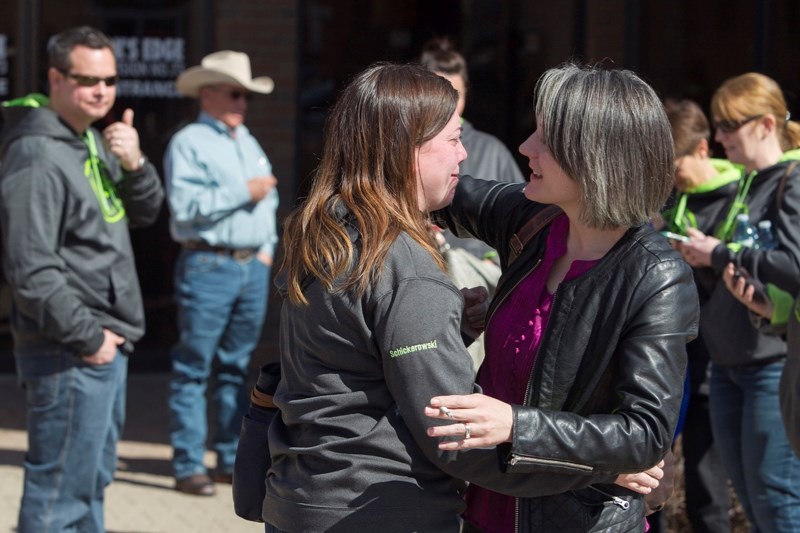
233, 94
91, 81
729, 126
237, 94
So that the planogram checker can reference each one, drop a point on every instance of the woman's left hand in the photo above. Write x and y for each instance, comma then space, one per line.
642, 482
745, 292
480, 421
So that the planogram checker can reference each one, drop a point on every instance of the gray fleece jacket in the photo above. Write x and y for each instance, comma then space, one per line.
71, 271
349, 447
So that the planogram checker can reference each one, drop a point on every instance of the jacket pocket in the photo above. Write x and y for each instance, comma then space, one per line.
587, 510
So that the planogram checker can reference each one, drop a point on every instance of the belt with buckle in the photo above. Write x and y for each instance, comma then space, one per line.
240, 254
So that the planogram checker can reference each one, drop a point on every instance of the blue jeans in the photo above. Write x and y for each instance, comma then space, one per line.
221, 306
749, 434
75, 416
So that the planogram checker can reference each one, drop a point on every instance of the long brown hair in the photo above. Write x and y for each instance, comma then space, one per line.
367, 178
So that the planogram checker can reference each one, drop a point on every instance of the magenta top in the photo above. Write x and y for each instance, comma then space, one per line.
512, 339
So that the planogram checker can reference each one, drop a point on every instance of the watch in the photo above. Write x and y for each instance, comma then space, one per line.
142, 162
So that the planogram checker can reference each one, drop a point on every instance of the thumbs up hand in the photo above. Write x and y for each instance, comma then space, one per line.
122, 140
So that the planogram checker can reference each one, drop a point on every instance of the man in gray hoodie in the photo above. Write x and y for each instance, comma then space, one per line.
68, 194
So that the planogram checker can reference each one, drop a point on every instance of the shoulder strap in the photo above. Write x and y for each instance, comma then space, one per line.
521, 238
779, 192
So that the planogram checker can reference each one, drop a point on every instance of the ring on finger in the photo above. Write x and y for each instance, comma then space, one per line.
467, 432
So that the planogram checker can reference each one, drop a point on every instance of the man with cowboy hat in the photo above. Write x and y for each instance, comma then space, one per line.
222, 201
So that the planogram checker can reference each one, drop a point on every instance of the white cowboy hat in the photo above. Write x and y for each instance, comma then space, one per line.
225, 66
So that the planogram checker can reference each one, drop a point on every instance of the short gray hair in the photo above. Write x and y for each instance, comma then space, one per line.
608, 131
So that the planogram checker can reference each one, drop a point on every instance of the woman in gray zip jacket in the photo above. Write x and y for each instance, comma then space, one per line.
586, 335
370, 327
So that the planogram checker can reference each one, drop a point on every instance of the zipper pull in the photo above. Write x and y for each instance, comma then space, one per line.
623, 504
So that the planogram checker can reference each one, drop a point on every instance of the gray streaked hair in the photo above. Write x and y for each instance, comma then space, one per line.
608, 131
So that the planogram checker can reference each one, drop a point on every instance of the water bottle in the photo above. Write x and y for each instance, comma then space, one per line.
766, 239
744, 233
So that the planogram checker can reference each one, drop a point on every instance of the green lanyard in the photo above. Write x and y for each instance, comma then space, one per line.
738, 206
680, 218
104, 189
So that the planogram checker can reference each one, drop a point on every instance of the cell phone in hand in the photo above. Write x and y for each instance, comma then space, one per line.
759, 293
675, 236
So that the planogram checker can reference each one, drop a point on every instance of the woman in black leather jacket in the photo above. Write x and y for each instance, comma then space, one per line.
586, 334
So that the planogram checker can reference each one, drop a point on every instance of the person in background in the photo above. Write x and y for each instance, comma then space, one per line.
753, 125
68, 196
586, 335
371, 326
704, 187
782, 319
222, 198
489, 159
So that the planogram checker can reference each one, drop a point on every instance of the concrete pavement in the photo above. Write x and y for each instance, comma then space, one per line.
142, 498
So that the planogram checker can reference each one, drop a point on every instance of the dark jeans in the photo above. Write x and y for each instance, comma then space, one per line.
747, 425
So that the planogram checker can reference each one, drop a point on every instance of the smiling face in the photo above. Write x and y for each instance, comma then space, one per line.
437, 166
742, 145
548, 184
81, 106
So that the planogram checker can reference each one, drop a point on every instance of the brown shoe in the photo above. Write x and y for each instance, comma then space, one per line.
222, 478
196, 485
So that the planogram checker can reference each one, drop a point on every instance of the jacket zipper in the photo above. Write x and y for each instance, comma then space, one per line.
516, 459
616, 500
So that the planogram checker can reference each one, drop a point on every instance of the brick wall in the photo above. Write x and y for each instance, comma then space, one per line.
268, 33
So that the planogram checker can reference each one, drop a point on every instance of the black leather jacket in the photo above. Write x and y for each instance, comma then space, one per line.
605, 391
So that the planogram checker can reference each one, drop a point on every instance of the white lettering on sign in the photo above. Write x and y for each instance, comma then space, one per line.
156, 49
148, 66
148, 88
